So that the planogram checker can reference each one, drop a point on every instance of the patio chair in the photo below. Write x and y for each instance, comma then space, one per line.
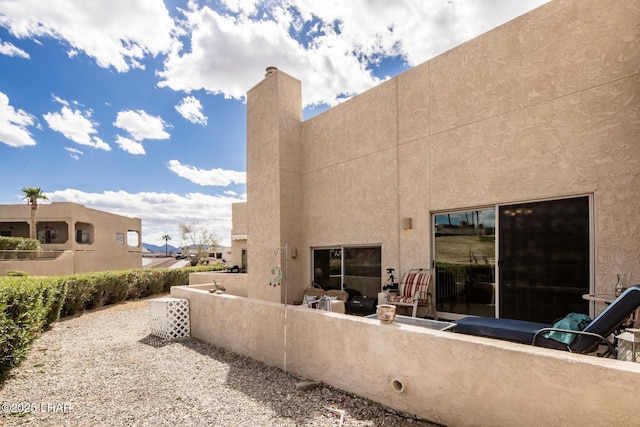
586, 341
414, 290
338, 298
337, 293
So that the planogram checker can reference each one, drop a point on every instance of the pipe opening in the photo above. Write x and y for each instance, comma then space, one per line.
398, 385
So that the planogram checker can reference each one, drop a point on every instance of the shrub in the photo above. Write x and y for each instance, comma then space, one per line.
27, 305
17, 273
93, 290
18, 247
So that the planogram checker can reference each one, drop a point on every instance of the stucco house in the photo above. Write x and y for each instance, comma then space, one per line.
509, 165
74, 239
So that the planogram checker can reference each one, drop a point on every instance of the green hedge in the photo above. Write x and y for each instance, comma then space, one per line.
27, 305
30, 303
12, 247
92, 290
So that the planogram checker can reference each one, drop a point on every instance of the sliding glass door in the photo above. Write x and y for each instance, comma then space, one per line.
544, 260
356, 269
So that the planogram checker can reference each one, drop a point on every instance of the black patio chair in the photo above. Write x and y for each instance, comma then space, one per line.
586, 341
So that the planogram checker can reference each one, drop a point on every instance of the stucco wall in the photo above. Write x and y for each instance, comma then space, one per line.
455, 380
62, 264
233, 283
239, 217
545, 106
273, 184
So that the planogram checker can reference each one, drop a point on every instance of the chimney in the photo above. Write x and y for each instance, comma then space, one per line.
270, 70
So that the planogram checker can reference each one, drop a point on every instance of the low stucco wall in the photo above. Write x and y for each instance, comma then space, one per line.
448, 378
234, 283
59, 266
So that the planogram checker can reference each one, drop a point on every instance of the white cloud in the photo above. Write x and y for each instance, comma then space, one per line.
60, 100
74, 153
73, 150
248, 7
141, 125
161, 213
10, 49
129, 145
211, 177
331, 46
191, 109
75, 125
117, 35
228, 54
13, 125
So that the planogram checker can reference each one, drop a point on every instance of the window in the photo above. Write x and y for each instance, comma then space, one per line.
47, 234
243, 262
544, 260
133, 238
119, 238
84, 233
82, 236
353, 268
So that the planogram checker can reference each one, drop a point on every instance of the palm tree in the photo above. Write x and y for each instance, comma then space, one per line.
32, 194
166, 238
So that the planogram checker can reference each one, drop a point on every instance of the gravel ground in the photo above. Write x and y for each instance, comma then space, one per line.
104, 368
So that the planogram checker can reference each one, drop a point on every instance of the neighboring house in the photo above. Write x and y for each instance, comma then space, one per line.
510, 165
74, 239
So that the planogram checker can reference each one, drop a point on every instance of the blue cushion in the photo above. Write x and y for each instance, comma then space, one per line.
521, 331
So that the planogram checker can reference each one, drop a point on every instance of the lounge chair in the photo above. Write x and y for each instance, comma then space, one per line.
586, 341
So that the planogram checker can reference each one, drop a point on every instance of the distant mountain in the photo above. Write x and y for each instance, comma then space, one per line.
159, 249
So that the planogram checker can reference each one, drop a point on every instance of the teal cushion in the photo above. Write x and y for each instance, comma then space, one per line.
572, 322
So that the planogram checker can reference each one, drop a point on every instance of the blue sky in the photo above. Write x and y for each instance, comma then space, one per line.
139, 109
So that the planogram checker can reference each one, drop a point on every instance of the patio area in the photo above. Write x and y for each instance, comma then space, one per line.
447, 378
105, 368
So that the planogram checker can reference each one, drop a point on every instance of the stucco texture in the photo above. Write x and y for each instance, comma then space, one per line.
543, 107
448, 378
